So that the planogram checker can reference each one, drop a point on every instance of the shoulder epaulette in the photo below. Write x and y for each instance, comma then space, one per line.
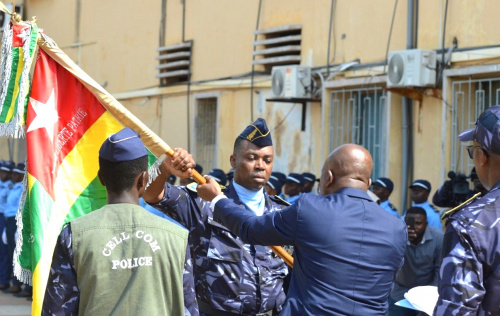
193, 185
279, 200
459, 207
434, 208
393, 207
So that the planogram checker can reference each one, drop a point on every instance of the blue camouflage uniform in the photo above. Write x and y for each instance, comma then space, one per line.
230, 275
469, 278
5, 187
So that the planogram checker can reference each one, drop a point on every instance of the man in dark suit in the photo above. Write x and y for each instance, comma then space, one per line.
347, 249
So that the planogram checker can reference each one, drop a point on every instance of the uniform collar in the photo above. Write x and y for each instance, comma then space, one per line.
230, 192
422, 204
357, 193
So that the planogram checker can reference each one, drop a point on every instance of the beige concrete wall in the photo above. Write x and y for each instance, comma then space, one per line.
394, 168
427, 141
120, 39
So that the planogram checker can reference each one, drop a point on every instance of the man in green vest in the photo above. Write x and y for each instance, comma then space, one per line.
120, 259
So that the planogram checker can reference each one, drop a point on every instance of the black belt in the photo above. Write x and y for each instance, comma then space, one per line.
205, 308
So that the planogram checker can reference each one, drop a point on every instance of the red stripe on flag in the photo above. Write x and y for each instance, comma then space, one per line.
59, 112
17, 41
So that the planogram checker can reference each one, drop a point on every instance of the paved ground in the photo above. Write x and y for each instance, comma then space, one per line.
14, 306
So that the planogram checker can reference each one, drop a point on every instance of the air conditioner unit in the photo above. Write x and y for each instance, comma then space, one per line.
291, 81
412, 68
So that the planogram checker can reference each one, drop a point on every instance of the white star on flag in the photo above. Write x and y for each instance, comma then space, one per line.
46, 115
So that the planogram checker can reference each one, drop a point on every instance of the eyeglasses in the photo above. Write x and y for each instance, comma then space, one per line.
470, 151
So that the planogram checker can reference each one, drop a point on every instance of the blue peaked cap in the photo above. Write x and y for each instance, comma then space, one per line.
275, 184
19, 168
125, 145
384, 183
257, 133
295, 177
487, 130
7, 166
218, 175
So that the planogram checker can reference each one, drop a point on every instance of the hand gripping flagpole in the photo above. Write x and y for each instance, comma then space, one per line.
154, 143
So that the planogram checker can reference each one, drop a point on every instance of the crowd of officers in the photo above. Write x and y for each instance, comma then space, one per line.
11, 189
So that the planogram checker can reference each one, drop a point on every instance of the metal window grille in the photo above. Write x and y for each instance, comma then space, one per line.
205, 131
359, 116
469, 99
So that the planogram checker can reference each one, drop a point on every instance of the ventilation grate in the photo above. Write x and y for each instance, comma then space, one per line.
278, 46
174, 63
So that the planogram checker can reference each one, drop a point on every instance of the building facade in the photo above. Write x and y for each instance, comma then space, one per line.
197, 72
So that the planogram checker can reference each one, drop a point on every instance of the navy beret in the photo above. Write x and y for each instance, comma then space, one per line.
123, 146
257, 133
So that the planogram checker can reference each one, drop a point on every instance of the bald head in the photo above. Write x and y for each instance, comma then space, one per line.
348, 166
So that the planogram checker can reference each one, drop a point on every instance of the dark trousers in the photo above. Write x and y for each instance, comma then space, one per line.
11, 227
4, 257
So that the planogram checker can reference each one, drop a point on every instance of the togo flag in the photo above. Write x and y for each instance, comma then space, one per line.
68, 118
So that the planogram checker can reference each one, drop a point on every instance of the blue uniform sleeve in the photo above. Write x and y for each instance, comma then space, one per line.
180, 205
62, 296
190, 303
460, 286
275, 228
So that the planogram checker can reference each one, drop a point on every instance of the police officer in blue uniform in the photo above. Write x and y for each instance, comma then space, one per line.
5, 186
347, 249
469, 278
232, 277
293, 187
309, 180
382, 187
419, 193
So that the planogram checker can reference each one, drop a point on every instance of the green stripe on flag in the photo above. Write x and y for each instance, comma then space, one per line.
92, 198
12, 85
35, 218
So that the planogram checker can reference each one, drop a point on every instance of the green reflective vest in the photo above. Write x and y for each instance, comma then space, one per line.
128, 262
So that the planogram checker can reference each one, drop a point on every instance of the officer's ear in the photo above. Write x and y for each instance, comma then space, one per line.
232, 161
100, 177
141, 182
331, 178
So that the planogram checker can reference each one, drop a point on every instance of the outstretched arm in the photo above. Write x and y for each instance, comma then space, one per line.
181, 164
275, 228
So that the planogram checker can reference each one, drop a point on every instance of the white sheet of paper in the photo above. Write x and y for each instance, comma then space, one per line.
423, 298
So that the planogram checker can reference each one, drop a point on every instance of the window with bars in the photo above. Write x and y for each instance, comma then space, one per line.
359, 116
205, 132
469, 99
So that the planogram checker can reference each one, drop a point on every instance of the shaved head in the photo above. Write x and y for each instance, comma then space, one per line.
349, 165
